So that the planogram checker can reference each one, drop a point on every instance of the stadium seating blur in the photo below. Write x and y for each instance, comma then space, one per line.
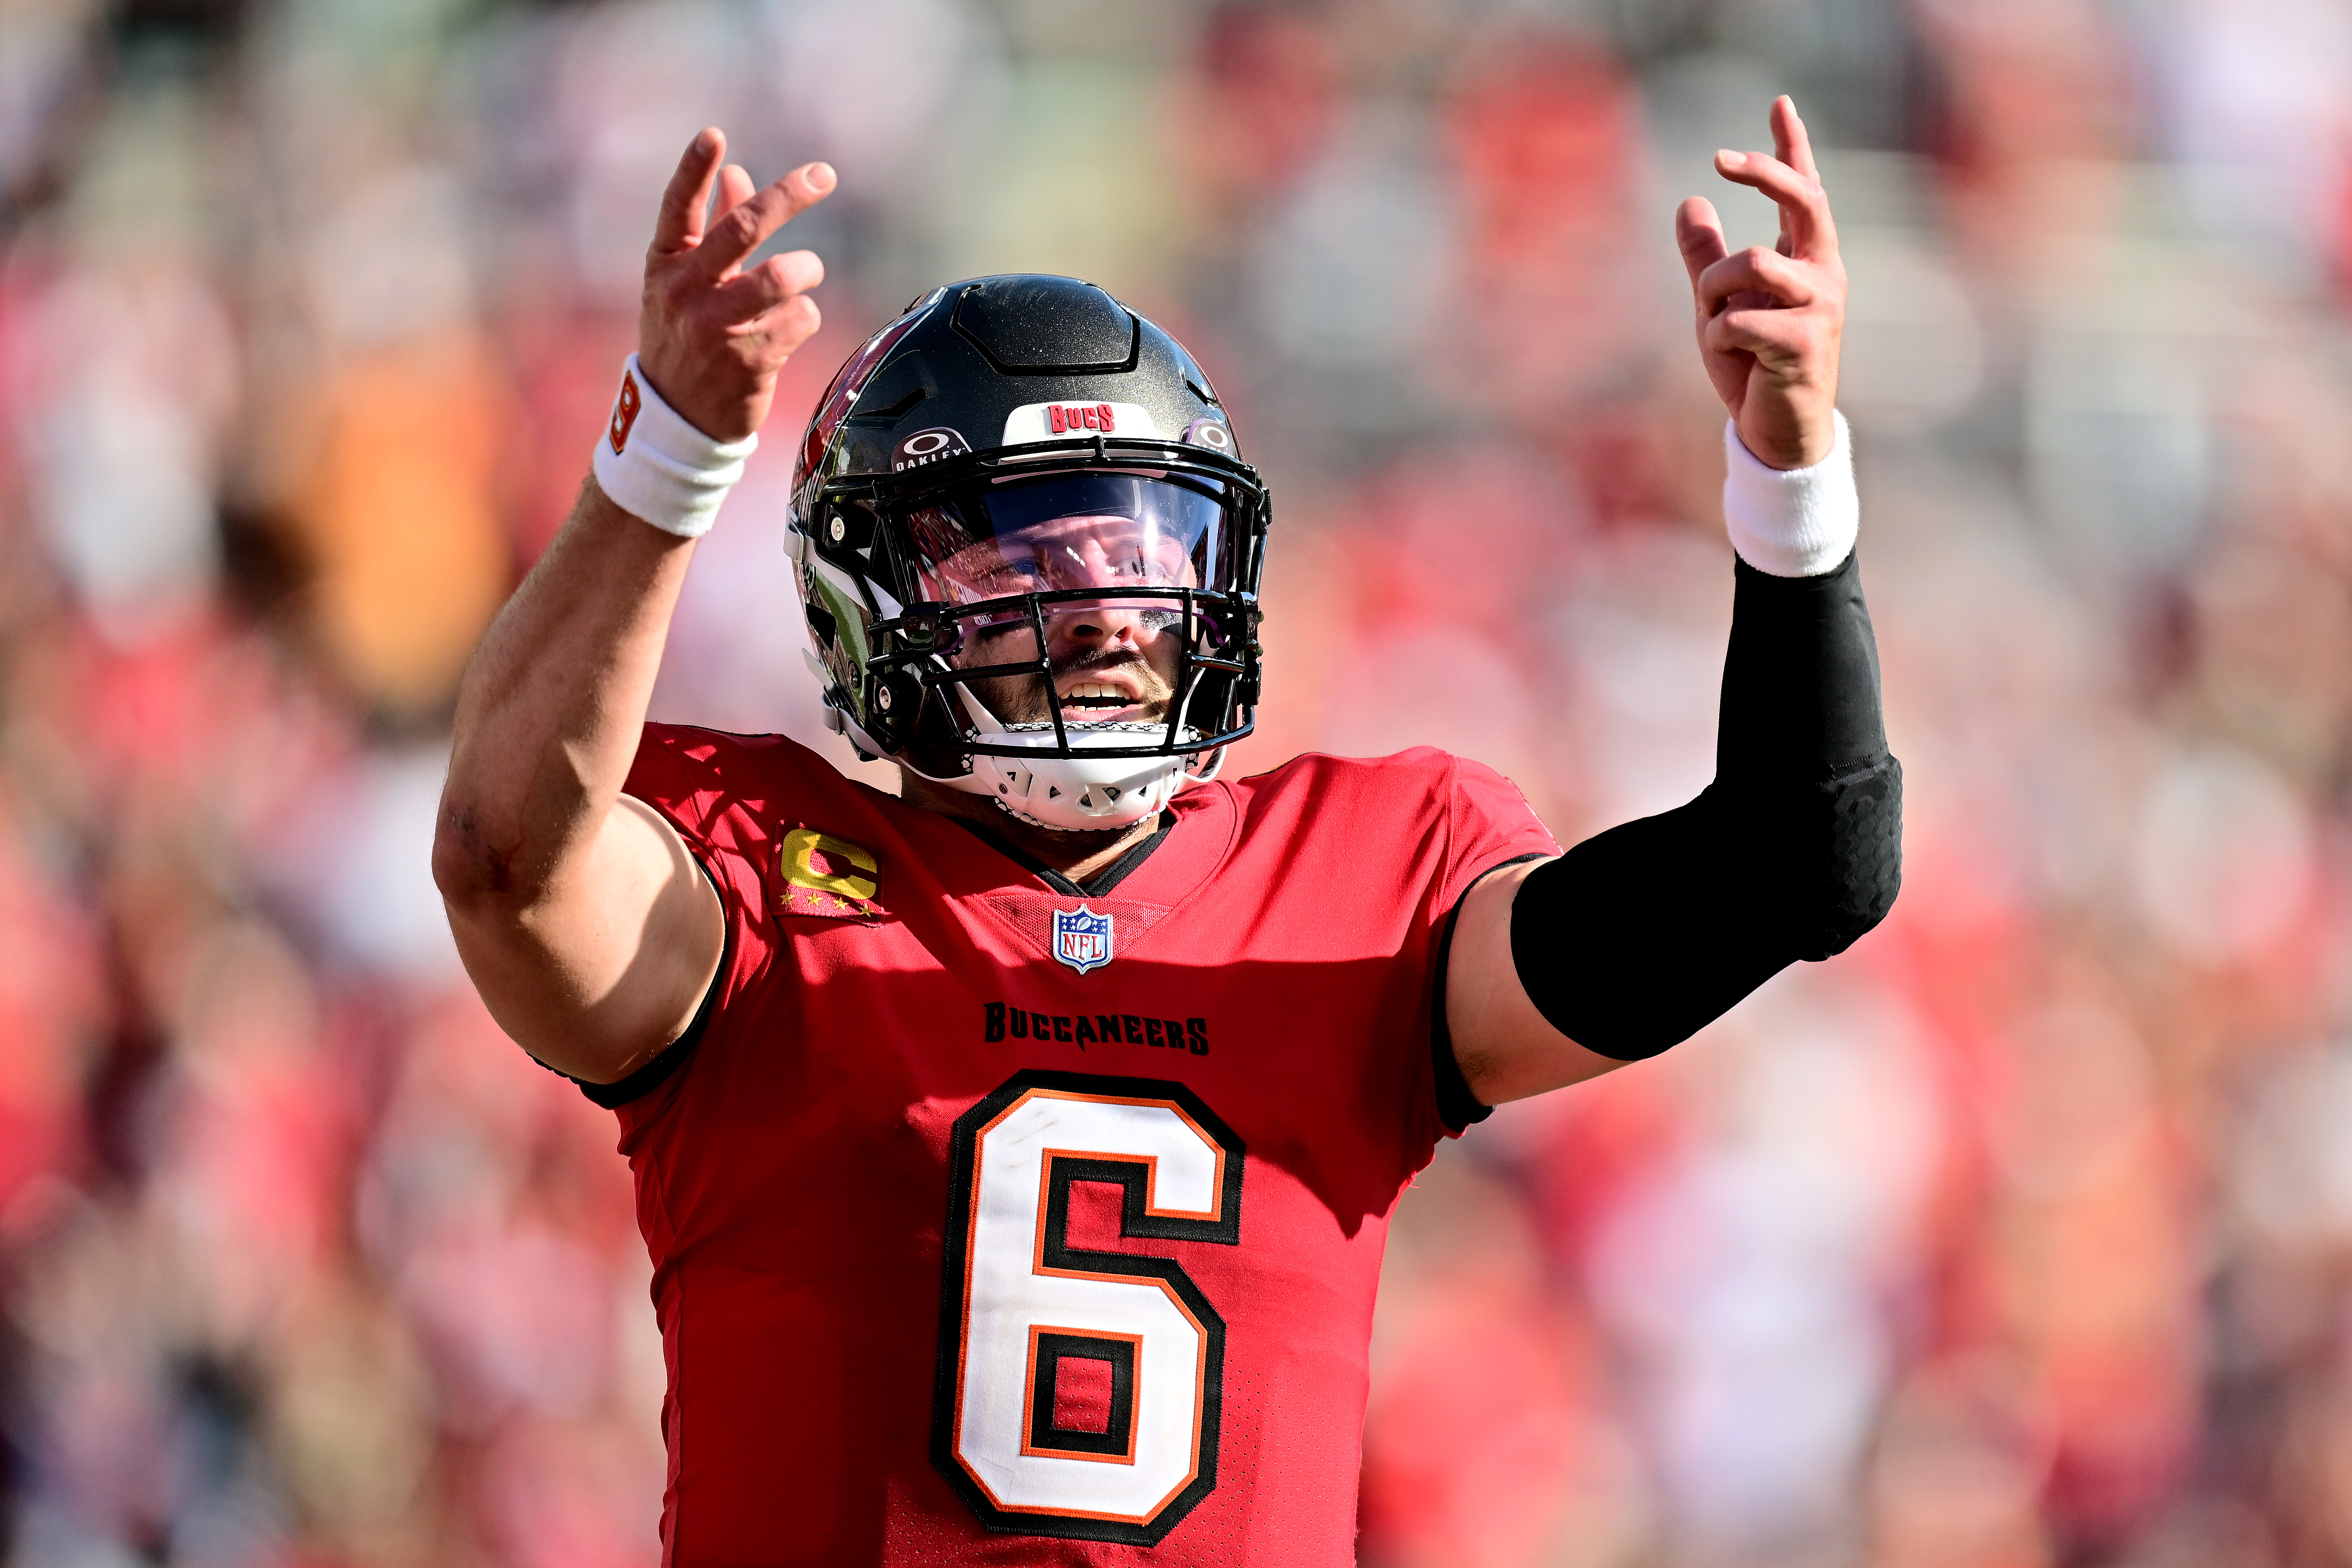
2019, 1235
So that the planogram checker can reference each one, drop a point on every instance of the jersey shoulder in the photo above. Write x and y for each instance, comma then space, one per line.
1407, 783
695, 776
1364, 806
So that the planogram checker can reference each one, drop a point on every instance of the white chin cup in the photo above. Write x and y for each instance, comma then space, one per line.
1082, 794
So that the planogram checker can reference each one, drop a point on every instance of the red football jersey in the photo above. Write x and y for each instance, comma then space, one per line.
993, 1224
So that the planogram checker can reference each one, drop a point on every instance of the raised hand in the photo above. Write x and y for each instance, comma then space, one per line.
1769, 321
711, 334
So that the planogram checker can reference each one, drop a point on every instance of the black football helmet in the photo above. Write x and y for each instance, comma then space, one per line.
1018, 484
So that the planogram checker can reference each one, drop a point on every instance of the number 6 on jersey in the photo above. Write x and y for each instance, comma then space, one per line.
1079, 1391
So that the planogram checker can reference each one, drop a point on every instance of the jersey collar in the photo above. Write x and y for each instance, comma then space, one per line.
1194, 836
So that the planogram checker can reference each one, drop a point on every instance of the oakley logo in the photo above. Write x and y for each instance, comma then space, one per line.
931, 446
1210, 433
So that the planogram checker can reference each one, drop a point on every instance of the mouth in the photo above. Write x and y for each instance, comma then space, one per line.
1098, 700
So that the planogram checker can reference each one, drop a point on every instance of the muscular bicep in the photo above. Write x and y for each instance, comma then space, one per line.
608, 964
1506, 1048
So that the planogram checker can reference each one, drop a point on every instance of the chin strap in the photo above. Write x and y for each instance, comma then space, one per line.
1071, 794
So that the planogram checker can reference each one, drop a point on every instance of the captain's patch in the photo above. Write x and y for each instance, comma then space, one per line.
819, 874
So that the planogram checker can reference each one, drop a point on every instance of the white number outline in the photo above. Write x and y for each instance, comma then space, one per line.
1141, 1219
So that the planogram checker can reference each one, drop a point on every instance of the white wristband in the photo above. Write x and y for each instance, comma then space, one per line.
1790, 522
656, 465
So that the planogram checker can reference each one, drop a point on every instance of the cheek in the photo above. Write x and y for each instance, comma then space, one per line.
1001, 645
1163, 653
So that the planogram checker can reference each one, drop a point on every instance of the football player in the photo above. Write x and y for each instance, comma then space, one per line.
1015, 1153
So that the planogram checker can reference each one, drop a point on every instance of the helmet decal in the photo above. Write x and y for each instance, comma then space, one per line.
1210, 432
1060, 421
925, 447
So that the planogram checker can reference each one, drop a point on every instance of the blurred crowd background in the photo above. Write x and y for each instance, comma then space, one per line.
2021, 1235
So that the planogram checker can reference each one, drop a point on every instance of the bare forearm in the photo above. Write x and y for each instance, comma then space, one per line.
554, 704
582, 915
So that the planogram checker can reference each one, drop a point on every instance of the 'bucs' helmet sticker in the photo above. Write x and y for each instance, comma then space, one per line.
1061, 421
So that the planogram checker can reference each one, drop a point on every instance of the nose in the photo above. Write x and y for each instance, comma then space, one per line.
1100, 624
1093, 624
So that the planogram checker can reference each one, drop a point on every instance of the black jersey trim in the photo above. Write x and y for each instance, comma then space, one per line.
1118, 870
1103, 882
673, 1055
1456, 1106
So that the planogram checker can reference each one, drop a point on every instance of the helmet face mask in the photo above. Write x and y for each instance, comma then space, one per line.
1062, 617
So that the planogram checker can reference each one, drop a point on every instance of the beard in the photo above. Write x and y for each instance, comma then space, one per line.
1021, 698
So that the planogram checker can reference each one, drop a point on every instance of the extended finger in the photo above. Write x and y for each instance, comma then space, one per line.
1790, 142
1794, 148
1698, 234
680, 222
1804, 206
756, 290
1755, 270
739, 233
735, 188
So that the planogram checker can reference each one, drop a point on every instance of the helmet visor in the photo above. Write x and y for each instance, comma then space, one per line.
1055, 532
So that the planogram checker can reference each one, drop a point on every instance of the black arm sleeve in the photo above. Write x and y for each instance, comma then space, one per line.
1639, 937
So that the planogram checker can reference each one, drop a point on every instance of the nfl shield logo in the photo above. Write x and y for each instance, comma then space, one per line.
1082, 938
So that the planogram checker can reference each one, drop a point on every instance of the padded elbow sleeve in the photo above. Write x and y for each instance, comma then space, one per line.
1860, 864
1800, 754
